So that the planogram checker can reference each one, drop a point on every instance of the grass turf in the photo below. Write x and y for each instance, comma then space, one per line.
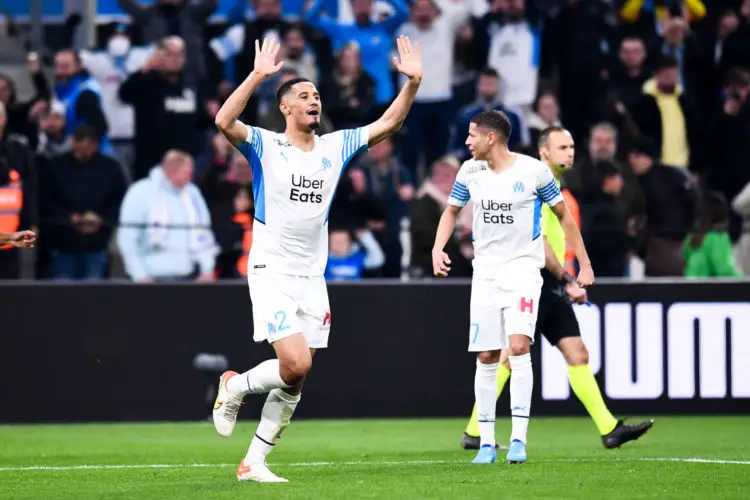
357, 459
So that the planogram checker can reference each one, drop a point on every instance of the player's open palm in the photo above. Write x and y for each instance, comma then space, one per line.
265, 57
409, 60
440, 263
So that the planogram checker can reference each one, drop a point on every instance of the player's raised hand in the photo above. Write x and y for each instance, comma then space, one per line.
441, 263
409, 60
586, 276
23, 239
265, 57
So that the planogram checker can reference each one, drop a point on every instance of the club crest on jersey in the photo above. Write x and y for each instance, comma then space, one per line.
518, 187
326, 163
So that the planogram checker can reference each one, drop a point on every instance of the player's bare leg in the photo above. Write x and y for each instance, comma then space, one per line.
614, 432
521, 386
485, 392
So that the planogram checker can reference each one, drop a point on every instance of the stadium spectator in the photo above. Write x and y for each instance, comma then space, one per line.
168, 111
646, 18
736, 51
296, 56
426, 209
717, 58
80, 195
354, 207
52, 141
679, 43
165, 226
434, 25
729, 142
22, 116
602, 147
507, 39
666, 114
630, 73
488, 85
272, 119
229, 197
708, 250
375, 39
349, 92
181, 18
18, 192
578, 45
349, 257
237, 44
545, 113
390, 183
604, 229
81, 96
672, 197
110, 68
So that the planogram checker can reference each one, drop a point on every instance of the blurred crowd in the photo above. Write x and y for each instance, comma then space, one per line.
116, 162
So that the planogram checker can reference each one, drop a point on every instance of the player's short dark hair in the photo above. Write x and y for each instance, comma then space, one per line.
494, 120
544, 135
491, 72
666, 62
287, 87
85, 132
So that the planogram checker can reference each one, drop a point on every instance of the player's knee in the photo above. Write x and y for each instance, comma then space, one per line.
294, 370
519, 345
577, 356
488, 357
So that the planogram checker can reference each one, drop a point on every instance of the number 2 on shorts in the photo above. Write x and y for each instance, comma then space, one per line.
280, 316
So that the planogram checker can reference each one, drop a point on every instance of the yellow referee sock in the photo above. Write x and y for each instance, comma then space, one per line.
502, 377
584, 385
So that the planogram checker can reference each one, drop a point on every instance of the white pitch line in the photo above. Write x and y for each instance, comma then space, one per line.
383, 463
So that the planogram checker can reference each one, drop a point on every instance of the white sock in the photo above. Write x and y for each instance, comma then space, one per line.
521, 385
276, 414
262, 379
485, 392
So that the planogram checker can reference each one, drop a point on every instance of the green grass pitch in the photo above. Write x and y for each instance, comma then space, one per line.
680, 458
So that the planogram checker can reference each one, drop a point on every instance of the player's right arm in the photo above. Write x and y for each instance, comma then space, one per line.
227, 117
458, 199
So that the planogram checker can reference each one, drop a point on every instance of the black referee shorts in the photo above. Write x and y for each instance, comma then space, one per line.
556, 319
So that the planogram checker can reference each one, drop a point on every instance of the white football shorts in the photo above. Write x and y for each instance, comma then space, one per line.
284, 305
503, 307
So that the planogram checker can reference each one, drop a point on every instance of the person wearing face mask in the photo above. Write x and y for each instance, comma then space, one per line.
110, 68
665, 114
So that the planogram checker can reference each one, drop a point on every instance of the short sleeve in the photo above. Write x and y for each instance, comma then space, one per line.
547, 188
352, 142
459, 196
252, 148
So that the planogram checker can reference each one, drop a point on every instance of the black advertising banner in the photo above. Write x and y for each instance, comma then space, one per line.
128, 352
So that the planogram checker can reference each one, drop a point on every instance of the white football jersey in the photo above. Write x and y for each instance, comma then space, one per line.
507, 213
293, 192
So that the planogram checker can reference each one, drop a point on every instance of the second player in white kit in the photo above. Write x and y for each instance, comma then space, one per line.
506, 191
294, 179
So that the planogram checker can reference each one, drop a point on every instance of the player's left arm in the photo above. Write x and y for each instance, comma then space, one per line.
573, 235
409, 63
575, 293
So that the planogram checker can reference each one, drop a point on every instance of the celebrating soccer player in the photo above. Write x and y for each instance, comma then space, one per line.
506, 190
556, 319
294, 179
